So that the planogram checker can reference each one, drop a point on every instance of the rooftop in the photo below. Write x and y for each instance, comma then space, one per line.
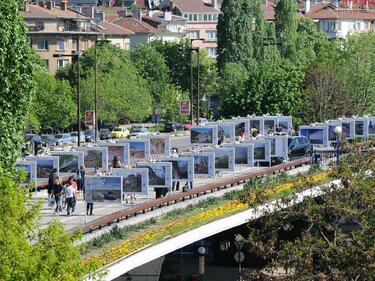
109, 28
39, 12
328, 11
135, 25
195, 6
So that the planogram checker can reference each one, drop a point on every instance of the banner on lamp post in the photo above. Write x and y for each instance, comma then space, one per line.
89, 118
185, 107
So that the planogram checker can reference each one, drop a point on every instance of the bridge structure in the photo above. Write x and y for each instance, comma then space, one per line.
153, 208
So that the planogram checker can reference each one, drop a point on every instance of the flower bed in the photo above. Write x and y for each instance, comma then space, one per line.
189, 221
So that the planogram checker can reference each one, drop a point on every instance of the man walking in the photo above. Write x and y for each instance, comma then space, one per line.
70, 196
58, 190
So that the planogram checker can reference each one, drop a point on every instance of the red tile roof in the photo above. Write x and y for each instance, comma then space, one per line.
269, 11
194, 6
135, 25
109, 28
326, 11
38, 12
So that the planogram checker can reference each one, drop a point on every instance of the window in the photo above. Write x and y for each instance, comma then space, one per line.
205, 17
62, 63
194, 34
42, 45
61, 45
46, 64
211, 35
75, 44
214, 17
195, 17
212, 52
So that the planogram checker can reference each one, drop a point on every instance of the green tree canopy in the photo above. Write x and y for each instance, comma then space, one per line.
235, 36
16, 81
286, 27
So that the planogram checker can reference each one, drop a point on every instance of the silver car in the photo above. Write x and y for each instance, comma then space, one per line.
63, 139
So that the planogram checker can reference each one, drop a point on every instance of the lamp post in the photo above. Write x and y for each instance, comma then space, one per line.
192, 81
239, 242
338, 132
96, 111
201, 252
75, 57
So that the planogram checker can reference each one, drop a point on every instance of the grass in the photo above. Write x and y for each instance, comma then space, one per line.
193, 216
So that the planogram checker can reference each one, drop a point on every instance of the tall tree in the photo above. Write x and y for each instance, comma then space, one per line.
235, 36
286, 27
260, 32
16, 75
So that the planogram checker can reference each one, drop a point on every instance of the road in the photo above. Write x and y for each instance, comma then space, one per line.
180, 142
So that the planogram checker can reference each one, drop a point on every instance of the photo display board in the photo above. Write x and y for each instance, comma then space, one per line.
244, 153
279, 146
134, 181
284, 124
69, 161
226, 129
242, 125
120, 150
262, 149
107, 189
371, 126
318, 135
224, 158
203, 135
45, 165
204, 164
331, 131
269, 124
31, 171
257, 123
95, 157
360, 127
160, 145
139, 150
182, 168
159, 174
347, 128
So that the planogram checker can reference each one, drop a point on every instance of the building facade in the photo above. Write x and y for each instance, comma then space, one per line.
55, 29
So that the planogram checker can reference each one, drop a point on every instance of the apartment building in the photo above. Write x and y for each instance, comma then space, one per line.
201, 21
55, 29
338, 19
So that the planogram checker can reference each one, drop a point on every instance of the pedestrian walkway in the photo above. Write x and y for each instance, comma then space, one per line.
103, 209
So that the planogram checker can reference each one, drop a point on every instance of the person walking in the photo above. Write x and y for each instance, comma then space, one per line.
58, 190
81, 173
70, 196
51, 181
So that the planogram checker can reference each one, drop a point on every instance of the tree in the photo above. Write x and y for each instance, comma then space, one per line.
53, 103
122, 93
16, 81
235, 37
233, 91
260, 33
286, 27
330, 237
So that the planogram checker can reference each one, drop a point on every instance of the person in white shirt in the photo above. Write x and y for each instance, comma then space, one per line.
70, 194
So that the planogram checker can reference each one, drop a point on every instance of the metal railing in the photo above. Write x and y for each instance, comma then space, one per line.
182, 196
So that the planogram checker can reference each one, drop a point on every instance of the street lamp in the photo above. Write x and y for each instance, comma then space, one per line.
338, 132
96, 111
192, 81
239, 242
201, 252
75, 57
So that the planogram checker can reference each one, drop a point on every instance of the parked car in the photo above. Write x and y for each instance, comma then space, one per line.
138, 132
48, 140
29, 138
299, 146
120, 132
63, 139
74, 136
105, 134
187, 125
173, 127
90, 135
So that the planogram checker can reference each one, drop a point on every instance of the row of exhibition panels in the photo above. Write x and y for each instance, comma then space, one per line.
152, 163
323, 134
